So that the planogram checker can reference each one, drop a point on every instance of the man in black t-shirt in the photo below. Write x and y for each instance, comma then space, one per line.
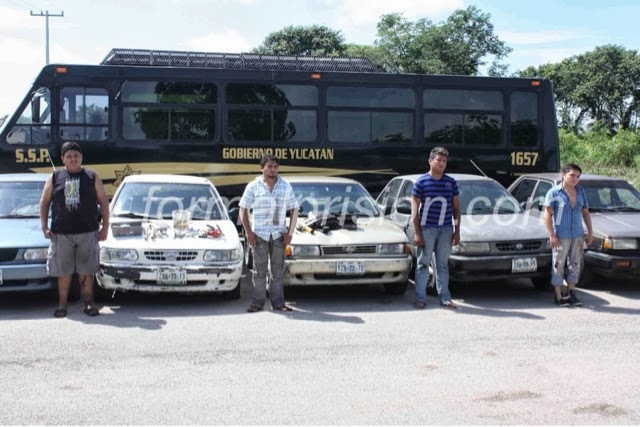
74, 193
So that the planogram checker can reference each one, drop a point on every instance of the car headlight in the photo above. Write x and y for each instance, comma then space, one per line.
618, 244
109, 254
305, 250
221, 255
35, 254
391, 249
471, 248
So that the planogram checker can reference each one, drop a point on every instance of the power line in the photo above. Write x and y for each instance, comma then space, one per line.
47, 15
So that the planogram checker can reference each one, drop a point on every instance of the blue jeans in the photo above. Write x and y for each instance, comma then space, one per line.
438, 239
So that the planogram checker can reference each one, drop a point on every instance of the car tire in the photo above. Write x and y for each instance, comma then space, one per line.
586, 276
233, 294
396, 288
541, 283
433, 276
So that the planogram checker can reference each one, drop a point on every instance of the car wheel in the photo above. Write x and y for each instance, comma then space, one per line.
396, 288
433, 275
541, 283
233, 294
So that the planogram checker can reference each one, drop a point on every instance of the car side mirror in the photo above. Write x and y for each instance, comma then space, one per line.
234, 214
404, 207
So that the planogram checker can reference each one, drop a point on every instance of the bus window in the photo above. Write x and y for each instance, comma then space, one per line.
366, 114
34, 124
450, 99
524, 119
84, 114
270, 117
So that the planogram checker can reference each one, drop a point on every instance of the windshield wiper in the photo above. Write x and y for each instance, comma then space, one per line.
131, 215
624, 209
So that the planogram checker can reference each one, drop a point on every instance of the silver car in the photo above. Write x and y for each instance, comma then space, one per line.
614, 205
498, 239
23, 247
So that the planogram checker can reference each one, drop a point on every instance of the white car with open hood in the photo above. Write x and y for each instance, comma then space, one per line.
342, 238
170, 233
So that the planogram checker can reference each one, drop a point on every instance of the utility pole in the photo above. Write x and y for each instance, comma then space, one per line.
46, 14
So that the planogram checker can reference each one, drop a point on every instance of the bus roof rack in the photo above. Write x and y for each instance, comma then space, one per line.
236, 61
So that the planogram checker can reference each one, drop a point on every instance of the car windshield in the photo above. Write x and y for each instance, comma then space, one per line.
334, 198
485, 197
20, 199
617, 196
159, 200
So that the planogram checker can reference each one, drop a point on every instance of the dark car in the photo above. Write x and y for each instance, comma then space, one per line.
498, 239
614, 205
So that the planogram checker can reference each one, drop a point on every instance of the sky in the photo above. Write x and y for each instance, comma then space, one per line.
539, 32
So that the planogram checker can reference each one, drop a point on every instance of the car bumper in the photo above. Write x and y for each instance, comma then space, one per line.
323, 271
26, 278
200, 278
613, 266
483, 268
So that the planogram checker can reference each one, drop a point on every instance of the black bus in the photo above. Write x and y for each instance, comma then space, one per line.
215, 115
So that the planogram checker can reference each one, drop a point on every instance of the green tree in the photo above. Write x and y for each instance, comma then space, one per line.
313, 40
460, 45
602, 86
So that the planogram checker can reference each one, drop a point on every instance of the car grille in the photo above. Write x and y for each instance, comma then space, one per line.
527, 245
170, 255
349, 250
8, 255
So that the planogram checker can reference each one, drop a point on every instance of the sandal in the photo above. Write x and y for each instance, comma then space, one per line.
254, 308
60, 312
91, 311
283, 308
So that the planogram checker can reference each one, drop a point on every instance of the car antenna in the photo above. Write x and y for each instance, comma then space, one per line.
478, 167
52, 165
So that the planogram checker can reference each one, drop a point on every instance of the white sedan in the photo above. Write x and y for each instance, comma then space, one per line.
170, 233
343, 239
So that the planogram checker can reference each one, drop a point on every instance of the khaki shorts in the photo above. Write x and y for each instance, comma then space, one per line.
73, 253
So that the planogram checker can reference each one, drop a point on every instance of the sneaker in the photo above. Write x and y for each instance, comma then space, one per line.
562, 302
574, 301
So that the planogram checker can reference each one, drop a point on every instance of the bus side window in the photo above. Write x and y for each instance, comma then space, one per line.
34, 124
85, 112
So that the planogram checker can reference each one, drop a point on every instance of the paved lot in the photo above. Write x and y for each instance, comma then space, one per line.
344, 356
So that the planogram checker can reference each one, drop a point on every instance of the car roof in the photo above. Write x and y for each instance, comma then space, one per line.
292, 179
456, 176
557, 176
167, 178
27, 177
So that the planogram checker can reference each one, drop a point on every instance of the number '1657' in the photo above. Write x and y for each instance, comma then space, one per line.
524, 158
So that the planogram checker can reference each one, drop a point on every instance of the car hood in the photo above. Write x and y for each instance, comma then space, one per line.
492, 228
22, 232
616, 224
369, 231
227, 240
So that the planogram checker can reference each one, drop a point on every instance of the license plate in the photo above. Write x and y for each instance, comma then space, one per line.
523, 265
349, 268
173, 276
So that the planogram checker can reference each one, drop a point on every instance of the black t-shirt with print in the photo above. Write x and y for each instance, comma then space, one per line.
74, 205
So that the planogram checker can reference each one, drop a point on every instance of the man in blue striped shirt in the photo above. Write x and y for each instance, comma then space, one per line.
435, 212
566, 206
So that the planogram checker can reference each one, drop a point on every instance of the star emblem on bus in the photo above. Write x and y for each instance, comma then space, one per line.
120, 175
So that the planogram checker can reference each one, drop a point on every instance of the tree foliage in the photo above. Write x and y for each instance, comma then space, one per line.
313, 40
600, 86
460, 45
